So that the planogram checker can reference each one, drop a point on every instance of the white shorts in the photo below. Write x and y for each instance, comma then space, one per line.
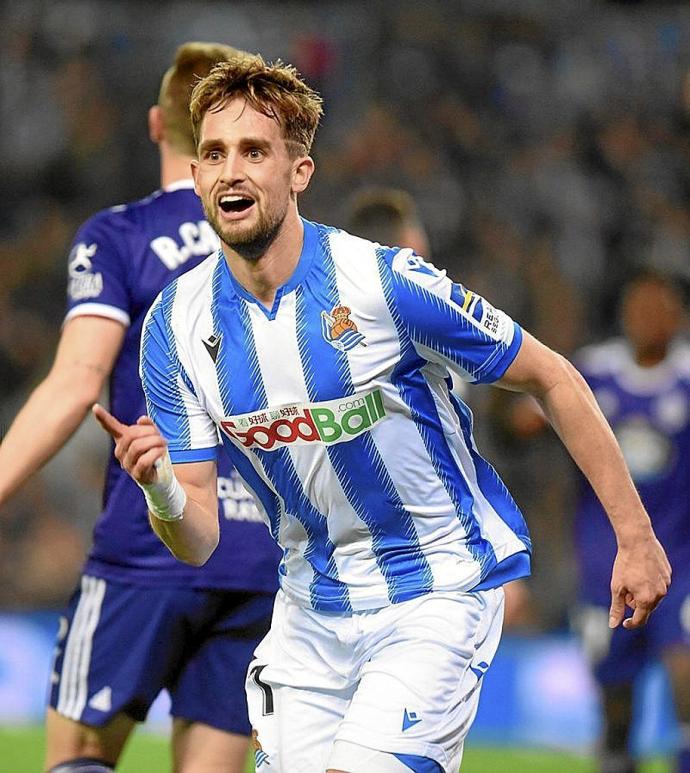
404, 679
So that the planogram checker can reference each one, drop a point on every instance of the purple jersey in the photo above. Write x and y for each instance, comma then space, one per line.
649, 411
120, 260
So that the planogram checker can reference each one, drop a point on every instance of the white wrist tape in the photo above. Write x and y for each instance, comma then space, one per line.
166, 499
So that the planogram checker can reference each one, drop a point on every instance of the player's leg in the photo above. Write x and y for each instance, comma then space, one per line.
677, 662
299, 687
68, 740
616, 657
211, 729
671, 641
617, 707
116, 647
421, 676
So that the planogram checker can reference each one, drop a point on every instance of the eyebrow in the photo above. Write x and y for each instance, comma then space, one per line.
245, 142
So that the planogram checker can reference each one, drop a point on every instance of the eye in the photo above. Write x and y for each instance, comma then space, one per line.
214, 156
255, 154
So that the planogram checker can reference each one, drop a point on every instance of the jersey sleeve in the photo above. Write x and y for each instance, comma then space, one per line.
171, 399
97, 269
448, 323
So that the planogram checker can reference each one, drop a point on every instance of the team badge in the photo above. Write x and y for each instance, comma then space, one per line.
339, 330
260, 756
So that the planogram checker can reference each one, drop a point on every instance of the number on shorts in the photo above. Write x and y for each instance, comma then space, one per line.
266, 689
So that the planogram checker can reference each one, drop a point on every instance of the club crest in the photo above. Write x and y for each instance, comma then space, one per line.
339, 330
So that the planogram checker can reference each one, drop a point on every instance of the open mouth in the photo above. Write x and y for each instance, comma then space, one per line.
235, 203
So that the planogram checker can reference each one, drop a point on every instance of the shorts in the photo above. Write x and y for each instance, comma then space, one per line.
617, 655
119, 645
404, 679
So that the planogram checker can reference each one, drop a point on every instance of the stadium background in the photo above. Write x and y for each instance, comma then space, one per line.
547, 145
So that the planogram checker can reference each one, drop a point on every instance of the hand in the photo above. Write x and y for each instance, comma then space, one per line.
640, 580
137, 446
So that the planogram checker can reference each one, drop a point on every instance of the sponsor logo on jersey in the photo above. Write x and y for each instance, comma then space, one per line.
339, 330
236, 503
83, 282
410, 719
329, 422
212, 345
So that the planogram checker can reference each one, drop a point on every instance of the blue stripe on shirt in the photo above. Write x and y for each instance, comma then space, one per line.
415, 392
357, 462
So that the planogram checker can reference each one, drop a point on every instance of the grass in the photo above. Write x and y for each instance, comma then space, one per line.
21, 751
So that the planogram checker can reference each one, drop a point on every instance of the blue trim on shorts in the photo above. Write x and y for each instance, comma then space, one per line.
419, 764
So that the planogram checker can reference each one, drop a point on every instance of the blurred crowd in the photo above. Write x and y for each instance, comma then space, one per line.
546, 143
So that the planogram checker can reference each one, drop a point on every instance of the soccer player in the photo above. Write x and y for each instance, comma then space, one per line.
642, 384
140, 620
323, 361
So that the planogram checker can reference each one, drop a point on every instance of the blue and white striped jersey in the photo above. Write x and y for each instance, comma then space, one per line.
335, 407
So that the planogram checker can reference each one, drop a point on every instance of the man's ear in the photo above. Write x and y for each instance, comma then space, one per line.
156, 126
301, 173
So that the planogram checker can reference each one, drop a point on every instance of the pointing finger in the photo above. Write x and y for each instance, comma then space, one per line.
109, 423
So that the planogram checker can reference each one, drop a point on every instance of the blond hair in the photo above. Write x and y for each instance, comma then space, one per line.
193, 61
276, 90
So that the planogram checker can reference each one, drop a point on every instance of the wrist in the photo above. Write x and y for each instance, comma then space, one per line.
165, 497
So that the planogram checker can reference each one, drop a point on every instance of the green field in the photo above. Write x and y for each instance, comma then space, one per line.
21, 751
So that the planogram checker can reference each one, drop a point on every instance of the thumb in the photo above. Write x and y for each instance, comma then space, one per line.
617, 611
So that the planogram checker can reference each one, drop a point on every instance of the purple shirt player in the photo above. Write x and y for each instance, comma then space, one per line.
642, 384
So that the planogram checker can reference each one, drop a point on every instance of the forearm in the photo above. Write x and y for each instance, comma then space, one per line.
52, 414
194, 537
573, 412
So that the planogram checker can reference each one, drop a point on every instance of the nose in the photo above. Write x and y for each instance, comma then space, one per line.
234, 169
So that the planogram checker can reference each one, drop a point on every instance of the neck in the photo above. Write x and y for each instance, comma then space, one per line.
649, 356
174, 166
263, 276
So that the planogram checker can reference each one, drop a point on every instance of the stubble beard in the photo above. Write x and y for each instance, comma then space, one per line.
250, 243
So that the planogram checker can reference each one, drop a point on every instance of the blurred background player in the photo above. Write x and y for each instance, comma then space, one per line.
391, 217
139, 620
642, 384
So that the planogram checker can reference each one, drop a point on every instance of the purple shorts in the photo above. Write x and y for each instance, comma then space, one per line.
119, 645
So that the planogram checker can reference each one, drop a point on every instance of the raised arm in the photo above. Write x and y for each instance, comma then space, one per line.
183, 508
641, 571
85, 356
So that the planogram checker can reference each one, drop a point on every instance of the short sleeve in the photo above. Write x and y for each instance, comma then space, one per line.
448, 323
97, 270
171, 399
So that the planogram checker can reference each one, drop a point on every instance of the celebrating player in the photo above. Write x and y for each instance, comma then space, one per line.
397, 536
642, 383
140, 620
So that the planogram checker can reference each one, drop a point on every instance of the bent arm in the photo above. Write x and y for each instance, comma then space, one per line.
84, 359
641, 572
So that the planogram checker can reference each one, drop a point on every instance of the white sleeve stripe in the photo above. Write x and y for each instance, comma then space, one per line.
98, 310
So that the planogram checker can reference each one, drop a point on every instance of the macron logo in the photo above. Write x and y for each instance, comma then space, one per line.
410, 719
212, 345
102, 700
480, 669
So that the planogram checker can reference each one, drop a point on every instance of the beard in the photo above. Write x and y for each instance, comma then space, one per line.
248, 242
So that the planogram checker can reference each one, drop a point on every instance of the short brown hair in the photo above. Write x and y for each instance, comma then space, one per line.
380, 214
192, 62
276, 90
